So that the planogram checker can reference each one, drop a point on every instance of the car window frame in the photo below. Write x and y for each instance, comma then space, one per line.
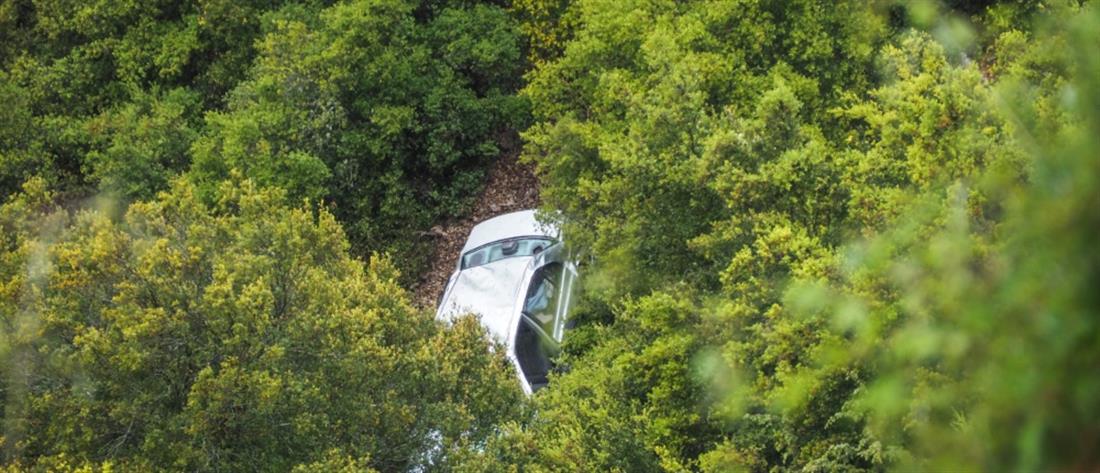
462, 258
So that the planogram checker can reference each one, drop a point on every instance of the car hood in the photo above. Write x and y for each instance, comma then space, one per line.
489, 291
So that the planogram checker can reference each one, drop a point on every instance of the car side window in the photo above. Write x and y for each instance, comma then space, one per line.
543, 296
533, 355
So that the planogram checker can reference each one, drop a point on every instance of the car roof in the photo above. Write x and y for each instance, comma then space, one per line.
511, 225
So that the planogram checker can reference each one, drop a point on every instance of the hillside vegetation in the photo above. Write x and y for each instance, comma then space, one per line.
817, 235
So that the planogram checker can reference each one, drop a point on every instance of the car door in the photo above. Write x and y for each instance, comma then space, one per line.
544, 314
550, 294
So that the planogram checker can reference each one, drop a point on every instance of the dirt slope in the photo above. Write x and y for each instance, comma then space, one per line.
510, 186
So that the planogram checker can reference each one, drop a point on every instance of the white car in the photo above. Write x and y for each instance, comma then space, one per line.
515, 274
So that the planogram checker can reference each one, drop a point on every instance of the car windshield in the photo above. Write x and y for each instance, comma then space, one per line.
510, 248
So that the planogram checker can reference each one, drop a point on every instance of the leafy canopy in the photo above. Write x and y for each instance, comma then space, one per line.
238, 335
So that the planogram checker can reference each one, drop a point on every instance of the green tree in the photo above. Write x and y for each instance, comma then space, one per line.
547, 25
238, 335
626, 113
139, 147
719, 154
390, 116
973, 312
92, 87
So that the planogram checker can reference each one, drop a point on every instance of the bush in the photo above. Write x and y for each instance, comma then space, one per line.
391, 118
234, 336
842, 214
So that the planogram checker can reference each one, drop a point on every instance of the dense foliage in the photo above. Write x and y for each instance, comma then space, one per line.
236, 336
819, 235
723, 163
388, 110
391, 118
